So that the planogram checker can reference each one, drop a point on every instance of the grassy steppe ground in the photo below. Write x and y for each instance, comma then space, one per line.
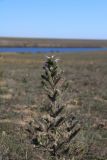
21, 95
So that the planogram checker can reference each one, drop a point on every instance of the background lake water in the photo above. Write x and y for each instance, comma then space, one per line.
47, 50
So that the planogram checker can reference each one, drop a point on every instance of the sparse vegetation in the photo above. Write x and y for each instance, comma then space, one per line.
21, 96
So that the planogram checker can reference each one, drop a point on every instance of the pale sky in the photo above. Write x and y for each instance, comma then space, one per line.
54, 18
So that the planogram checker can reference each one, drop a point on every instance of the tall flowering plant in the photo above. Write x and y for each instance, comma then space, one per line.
54, 131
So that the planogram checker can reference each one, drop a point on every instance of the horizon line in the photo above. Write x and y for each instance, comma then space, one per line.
52, 38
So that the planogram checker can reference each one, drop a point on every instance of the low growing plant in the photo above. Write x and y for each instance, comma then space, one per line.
53, 133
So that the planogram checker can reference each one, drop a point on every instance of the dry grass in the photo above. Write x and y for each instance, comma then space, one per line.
21, 95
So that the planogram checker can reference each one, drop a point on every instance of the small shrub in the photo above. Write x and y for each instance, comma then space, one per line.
53, 133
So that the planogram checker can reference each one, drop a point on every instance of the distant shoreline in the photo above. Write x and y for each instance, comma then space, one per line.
45, 42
